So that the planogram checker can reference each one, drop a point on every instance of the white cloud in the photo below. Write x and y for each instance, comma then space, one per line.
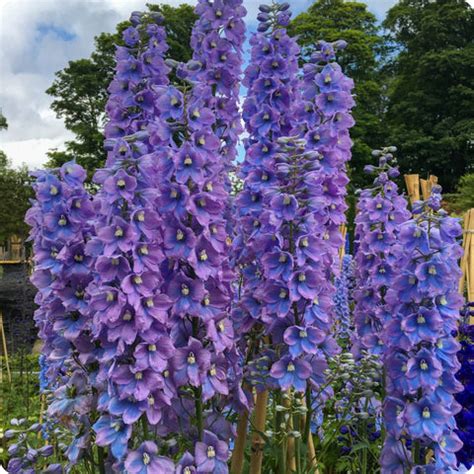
38, 38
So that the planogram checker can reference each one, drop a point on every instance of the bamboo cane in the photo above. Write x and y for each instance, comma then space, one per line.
258, 442
466, 283
425, 188
5, 350
412, 182
313, 460
237, 462
342, 249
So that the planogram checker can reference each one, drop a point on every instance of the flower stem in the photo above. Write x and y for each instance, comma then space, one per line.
100, 454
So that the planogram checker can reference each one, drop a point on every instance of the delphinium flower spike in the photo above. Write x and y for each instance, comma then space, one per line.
271, 79
420, 357
344, 283
60, 221
324, 119
380, 212
217, 41
130, 325
203, 379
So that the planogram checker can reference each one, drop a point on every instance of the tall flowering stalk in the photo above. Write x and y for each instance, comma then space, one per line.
420, 357
217, 41
203, 378
129, 312
60, 226
324, 118
271, 81
344, 284
380, 213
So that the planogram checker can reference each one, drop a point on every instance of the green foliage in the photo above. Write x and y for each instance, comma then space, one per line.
15, 191
463, 200
20, 398
331, 20
431, 88
80, 89
3, 122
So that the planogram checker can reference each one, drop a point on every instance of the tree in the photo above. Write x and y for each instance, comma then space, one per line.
80, 89
3, 122
430, 114
15, 192
332, 20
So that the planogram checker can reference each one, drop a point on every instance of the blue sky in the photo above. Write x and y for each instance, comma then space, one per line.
39, 37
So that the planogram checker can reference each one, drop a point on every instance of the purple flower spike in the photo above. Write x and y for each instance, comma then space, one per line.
420, 349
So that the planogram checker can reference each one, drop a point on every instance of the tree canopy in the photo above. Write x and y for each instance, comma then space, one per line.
430, 114
80, 89
15, 192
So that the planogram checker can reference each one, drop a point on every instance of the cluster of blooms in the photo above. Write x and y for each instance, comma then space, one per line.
24, 458
60, 226
342, 301
286, 215
271, 79
202, 378
465, 418
355, 401
217, 41
421, 351
380, 212
324, 115
129, 312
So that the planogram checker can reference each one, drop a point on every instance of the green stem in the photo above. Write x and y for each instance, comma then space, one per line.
198, 405
145, 428
307, 425
281, 450
100, 453
296, 427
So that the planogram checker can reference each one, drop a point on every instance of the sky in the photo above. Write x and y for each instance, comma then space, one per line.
39, 37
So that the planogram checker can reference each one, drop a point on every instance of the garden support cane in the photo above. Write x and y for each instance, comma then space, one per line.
259, 426
5, 349
239, 447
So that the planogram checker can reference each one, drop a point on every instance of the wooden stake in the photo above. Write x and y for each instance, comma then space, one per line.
425, 188
237, 462
412, 182
258, 442
466, 283
342, 249
313, 460
5, 350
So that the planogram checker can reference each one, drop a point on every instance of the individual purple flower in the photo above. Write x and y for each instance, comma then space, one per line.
211, 454
426, 418
145, 460
291, 373
190, 363
114, 433
303, 340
